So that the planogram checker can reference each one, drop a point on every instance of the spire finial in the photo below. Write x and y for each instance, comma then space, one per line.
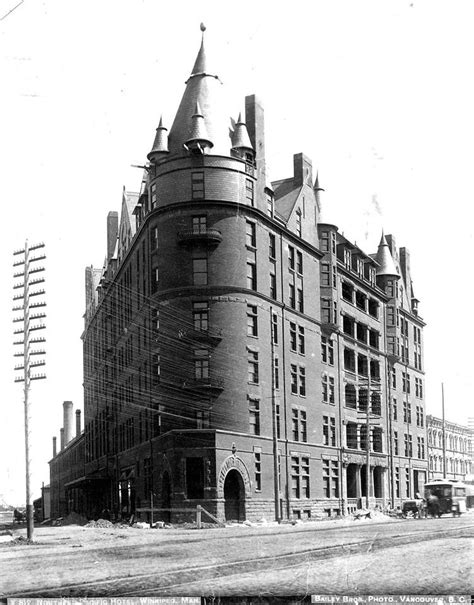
203, 27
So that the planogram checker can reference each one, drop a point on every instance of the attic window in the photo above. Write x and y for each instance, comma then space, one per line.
298, 222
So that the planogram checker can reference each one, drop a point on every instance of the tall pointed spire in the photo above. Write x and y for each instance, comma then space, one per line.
204, 87
385, 260
201, 62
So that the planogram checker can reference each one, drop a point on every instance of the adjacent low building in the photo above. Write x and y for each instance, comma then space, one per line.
449, 449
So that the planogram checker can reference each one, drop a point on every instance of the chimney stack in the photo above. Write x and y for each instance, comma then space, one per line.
67, 405
61, 439
54, 447
78, 423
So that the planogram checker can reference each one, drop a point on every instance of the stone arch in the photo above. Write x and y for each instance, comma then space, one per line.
233, 463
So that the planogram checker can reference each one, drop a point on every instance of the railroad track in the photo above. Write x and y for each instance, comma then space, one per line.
176, 581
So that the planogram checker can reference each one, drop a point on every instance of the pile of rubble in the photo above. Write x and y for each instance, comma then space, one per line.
100, 523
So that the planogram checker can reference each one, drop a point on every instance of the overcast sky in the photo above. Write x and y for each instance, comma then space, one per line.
379, 94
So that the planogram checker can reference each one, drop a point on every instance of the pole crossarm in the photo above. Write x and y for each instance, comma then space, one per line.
30, 324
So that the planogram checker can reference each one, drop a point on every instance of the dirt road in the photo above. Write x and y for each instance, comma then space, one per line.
78, 561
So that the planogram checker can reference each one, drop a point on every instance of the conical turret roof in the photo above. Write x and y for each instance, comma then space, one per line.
385, 260
203, 87
198, 133
240, 137
160, 144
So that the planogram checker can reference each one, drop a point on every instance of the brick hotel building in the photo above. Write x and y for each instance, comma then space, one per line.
239, 352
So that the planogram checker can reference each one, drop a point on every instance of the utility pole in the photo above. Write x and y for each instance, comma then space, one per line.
30, 323
444, 431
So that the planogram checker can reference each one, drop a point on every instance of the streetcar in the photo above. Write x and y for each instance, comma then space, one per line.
444, 497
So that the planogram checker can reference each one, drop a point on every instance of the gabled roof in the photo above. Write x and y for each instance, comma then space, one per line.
286, 196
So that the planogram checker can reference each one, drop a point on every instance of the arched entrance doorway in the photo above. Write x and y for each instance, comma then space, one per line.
166, 497
234, 496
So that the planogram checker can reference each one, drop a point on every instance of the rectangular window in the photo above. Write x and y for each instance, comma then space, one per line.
294, 379
271, 246
303, 429
291, 258
201, 316
327, 350
199, 224
325, 274
300, 477
325, 241
249, 191
254, 416
299, 262
302, 381
269, 205
406, 382
278, 425
197, 185
325, 430
330, 478
252, 323
258, 470
252, 359
373, 308
201, 364
251, 235
154, 238
292, 296
156, 278
153, 196
295, 424
394, 378
394, 409
251, 275
300, 296
276, 373
301, 340
328, 388
273, 282
274, 328
200, 271
292, 336
395, 443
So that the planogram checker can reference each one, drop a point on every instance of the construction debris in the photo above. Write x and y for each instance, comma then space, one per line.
100, 523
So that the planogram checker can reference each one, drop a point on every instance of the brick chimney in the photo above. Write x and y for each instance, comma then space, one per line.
67, 406
78, 423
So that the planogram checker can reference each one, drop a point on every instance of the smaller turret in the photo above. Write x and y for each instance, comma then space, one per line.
160, 145
241, 144
198, 140
386, 268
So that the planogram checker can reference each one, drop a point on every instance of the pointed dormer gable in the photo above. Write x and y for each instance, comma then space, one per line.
127, 224
203, 87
